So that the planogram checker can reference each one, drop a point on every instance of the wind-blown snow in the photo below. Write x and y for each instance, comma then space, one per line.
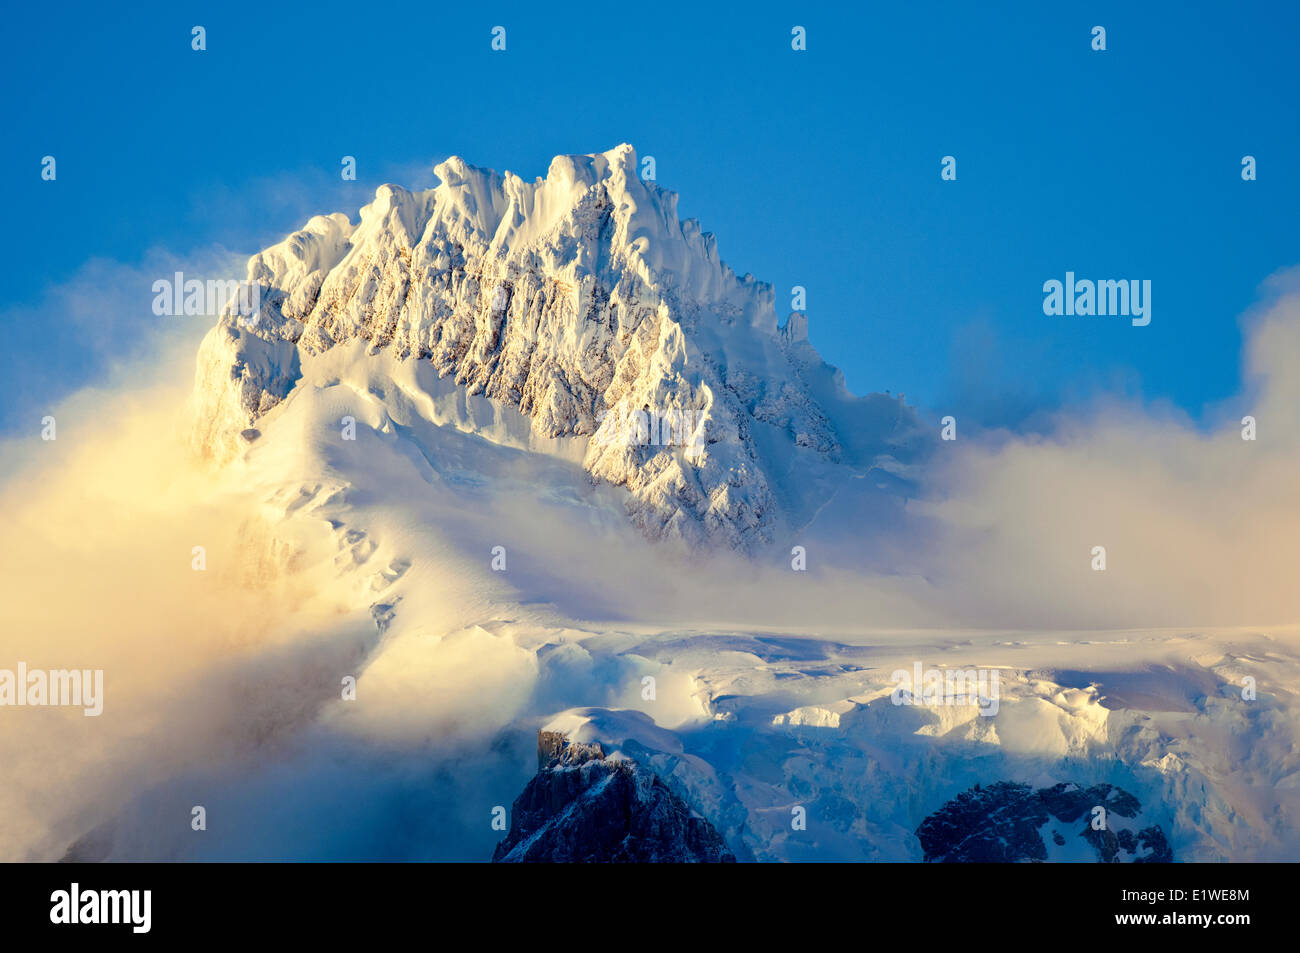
787, 705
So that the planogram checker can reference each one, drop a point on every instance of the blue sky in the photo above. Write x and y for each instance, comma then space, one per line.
819, 168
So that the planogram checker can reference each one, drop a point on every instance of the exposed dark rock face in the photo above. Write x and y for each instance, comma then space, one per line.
1005, 822
582, 807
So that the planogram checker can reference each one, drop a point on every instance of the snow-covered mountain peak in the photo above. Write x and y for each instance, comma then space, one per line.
582, 301
507, 212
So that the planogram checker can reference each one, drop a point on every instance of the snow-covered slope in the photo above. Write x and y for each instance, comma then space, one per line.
583, 302
759, 700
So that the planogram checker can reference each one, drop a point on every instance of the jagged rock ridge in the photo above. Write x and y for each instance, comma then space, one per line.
582, 806
1004, 823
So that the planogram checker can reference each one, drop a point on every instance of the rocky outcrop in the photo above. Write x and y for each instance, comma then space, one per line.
1005, 822
585, 807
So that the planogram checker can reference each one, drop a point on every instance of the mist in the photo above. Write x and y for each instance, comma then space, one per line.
222, 683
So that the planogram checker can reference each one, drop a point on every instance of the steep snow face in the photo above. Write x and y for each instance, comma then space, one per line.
583, 302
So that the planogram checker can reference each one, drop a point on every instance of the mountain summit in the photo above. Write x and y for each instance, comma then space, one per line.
581, 301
